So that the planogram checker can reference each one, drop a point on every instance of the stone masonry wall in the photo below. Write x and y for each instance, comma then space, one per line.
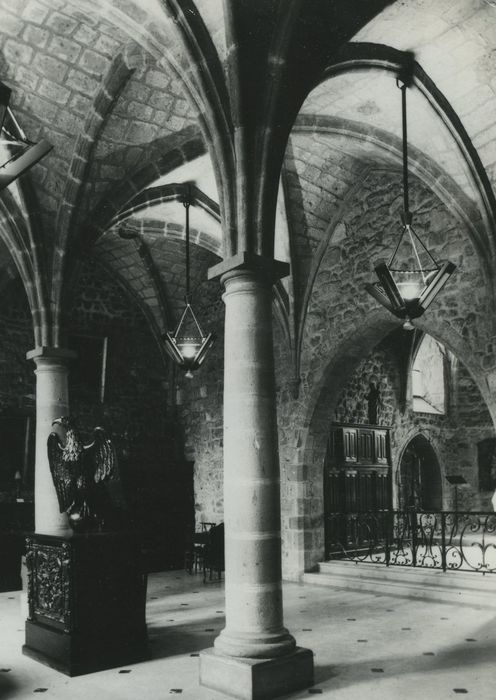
16, 375
153, 435
136, 409
453, 438
343, 323
381, 368
200, 402
17, 386
138, 412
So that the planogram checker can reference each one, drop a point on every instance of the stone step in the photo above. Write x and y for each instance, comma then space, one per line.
469, 588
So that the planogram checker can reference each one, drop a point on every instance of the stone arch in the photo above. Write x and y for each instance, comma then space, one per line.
419, 475
117, 76
327, 383
445, 334
18, 237
328, 380
178, 151
360, 55
154, 196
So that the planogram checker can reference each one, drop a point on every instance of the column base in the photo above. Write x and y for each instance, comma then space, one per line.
256, 679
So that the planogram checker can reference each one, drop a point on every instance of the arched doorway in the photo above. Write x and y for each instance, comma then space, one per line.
420, 477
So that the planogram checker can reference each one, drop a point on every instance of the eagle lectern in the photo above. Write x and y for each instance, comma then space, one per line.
86, 594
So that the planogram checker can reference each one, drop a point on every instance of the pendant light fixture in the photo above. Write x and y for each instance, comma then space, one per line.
188, 345
411, 279
17, 153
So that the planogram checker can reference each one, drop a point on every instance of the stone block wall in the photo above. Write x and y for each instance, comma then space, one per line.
200, 402
17, 390
158, 419
161, 418
381, 368
137, 411
453, 436
136, 394
343, 323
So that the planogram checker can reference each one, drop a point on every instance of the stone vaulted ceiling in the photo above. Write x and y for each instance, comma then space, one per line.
130, 96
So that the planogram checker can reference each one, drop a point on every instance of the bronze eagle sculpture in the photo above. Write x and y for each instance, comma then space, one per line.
79, 473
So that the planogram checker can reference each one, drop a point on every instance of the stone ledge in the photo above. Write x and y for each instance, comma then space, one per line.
467, 588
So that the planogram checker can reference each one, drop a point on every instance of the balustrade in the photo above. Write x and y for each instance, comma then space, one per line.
446, 540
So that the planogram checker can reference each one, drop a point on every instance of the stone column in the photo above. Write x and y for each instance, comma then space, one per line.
254, 656
52, 401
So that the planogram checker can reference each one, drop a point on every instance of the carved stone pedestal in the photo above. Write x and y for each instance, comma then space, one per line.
86, 599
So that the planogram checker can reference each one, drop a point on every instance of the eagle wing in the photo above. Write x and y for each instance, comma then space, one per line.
63, 473
101, 455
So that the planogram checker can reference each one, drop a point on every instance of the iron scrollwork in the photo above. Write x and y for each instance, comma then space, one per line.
443, 540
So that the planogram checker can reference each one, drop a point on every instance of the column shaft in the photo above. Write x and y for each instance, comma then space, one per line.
254, 617
52, 401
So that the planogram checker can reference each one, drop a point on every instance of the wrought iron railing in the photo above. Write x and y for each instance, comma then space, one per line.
444, 540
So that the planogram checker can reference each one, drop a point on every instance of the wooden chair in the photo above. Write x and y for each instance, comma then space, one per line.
213, 554
194, 558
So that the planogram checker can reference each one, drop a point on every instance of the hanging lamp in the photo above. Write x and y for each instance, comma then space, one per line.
411, 279
17, 153
188, 345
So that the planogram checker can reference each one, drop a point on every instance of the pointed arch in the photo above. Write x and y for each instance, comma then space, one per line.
360, 55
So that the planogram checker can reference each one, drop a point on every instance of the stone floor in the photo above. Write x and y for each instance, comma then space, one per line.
366, 645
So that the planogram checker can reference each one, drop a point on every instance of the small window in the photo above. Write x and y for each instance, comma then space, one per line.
428, 378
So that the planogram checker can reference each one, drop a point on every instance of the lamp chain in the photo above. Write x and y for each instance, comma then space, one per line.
186, 203
406, 202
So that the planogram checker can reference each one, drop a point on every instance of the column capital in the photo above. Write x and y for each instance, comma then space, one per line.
267, 268
43, 352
